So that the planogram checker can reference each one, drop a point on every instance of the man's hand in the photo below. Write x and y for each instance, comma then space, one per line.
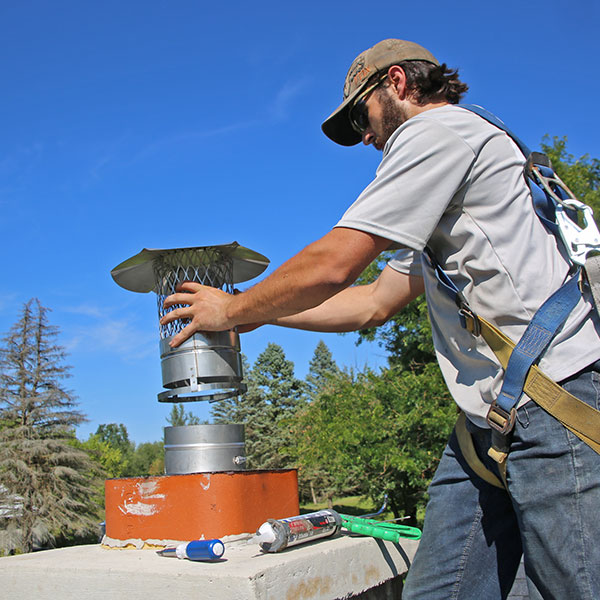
207, 310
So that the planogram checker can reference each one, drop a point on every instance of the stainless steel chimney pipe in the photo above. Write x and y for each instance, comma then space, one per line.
204, 449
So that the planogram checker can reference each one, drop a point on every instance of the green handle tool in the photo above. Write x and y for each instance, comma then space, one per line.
378, 529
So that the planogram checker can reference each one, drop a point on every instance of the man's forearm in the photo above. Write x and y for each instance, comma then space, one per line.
358, 307
348, 310
318, 272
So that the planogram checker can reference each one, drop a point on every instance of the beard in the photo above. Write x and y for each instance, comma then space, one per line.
392, 116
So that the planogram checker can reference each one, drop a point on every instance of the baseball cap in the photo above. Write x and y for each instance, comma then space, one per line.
362, 71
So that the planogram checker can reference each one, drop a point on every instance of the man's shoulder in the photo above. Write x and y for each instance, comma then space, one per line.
452, 124
453, 119
445, 128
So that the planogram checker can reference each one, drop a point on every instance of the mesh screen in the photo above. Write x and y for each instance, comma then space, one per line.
208, 266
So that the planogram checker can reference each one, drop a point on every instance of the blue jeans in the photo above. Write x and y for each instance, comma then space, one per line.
474, 533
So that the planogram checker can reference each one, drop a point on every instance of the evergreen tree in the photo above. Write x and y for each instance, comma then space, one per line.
314, 481
273, 398
179, 418
272, 395
321, 369
45, 480
233, 410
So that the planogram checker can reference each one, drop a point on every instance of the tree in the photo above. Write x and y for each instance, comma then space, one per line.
109, 459
272, 396
113, 449
406, 337
582, 175
232, 410
179, 418
378, 434
148, 459
320, 369
116, 436
44, 477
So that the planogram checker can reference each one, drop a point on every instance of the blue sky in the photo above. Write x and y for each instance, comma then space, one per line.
165, 124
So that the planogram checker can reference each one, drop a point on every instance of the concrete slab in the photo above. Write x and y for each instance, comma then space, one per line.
327, 569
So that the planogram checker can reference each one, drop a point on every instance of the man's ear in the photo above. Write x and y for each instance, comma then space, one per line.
397, 79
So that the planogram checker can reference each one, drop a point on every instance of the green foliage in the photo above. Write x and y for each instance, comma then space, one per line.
582, 175
112, 449
109, 459
179, 418
265, 409
117, 456
273, 396
320, 369
148, 459
116, 436
378, 434
232, 410
406, 337
47, 483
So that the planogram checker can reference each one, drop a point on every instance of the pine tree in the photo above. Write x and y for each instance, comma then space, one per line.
45, 479
274, 395
179, 418
233, 410
271, 399
321, 369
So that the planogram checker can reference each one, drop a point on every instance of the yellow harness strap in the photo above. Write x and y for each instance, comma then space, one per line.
575, 415
465, 441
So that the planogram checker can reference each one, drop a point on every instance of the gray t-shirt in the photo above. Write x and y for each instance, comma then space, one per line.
450, 180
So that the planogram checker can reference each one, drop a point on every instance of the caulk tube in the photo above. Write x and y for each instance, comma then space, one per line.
196, 550
277, 534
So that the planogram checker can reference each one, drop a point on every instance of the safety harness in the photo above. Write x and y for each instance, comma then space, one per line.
572, 222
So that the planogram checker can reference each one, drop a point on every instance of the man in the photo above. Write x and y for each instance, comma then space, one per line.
453, 183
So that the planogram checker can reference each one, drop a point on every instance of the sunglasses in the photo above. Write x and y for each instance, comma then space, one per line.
359, 113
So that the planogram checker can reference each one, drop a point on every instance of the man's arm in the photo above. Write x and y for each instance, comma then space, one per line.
360, 306
315, 274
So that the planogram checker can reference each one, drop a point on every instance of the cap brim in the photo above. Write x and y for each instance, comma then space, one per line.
337, 126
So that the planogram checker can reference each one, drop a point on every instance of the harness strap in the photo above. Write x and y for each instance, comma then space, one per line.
541, 330
520, 358
577, 416
465, 442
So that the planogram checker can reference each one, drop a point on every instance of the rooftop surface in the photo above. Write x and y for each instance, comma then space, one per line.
326, 569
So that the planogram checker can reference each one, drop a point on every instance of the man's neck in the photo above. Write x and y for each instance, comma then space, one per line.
416, 109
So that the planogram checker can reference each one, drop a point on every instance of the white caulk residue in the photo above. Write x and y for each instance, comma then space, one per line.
138, 508
145, 491
206, 485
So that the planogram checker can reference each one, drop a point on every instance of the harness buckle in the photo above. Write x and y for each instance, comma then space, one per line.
501, 420
469, 320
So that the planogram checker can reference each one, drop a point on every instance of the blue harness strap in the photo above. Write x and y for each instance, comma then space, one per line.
494, 120
542, 328
548, 319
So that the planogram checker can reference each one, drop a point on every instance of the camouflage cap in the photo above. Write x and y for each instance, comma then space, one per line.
362, 71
